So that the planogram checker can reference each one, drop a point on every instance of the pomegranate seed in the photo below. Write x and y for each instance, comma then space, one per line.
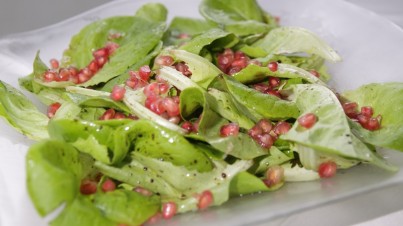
281, 128
362, 119
151, 89
108, 114
171, 107
308, 120
93, 66
327, 169
273, 93
350, 108
175, 119
119, 115
163, 87
240, 55
274, 81
367, 111
188, 126
164, 60
265, 140
63, 75
54, 64
273, 66
145, 73
255, 131
88, 187
100, 53
183, 68
261, 87
373, 124
143, 191
101, 60
234, 70
154, 219
169, 210
74, 79
118, 93
274, 175
315, 73
111, 47
52, 109
265, 124
231, 129
205, 200
240, 63
108, 185
49, 76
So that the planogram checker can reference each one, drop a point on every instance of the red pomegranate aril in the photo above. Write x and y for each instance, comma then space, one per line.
163, 87
73, 71
100, 53
265, 140
118, 93
171, 107
274, 81
175, 120
266, 125
362, 119
152, 89
101, 60
111, 47
367, 111
83, 77
350, 108
49, 76
119, 115
145, 72
74, 78
273, 66
108, 185
327, 169
205, 200
274, 175
168, 210
275, 93
63, 75
261, 87
52, 109
143, 191
255, 131
282, 127
240, 63
255, 62
308, 120
88, 187
93, 66
54, 64
183, 68
234, 70
108, 114
188, 126
164, 60
231, 129
315, 73
373, 124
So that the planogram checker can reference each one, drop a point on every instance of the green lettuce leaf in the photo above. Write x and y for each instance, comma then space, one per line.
387, 100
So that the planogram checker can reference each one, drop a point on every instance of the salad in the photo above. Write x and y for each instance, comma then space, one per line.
148, 118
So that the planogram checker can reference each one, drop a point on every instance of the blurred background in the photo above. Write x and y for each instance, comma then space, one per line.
25, 15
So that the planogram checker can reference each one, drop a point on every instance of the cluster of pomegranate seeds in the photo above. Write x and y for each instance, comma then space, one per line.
113, 114
231, 62
191, 127
364, 117
230, 129
327, 169
108, 185
265, 133
270, 87
100, 57
52, 109
183, 68
169, 210
140, 78
308, 120
205, 200
274, 175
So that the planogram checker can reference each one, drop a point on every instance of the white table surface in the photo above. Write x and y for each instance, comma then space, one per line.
374, 208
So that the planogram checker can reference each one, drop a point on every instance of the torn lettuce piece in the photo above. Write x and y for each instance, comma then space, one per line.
21, 113
331, 133
387, 100
289, 40
154, 12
